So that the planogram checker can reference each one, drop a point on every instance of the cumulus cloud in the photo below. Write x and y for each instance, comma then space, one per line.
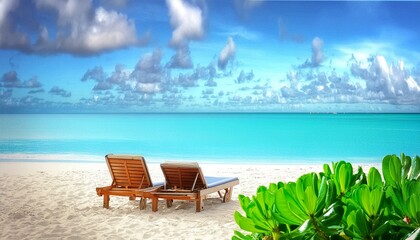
317, 54
227, 54
148, 78
10, 80
317, 51
31, 83
181, 59
118, 77
5, 7
10, 37
206, 73
149, 68
385, 81
59, 92
97, 73
81, 29
103, 85
186, 20
245, 77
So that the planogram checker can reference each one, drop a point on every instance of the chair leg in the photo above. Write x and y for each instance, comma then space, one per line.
228, 194
155, 204
143, 203
169, 203
199, 204
132, 197
106, 201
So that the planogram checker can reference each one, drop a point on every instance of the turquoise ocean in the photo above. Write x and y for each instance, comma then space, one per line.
261, 138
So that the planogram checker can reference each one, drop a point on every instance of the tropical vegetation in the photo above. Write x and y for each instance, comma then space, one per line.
338, 203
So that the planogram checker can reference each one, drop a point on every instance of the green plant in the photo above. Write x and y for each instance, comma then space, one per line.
339, 203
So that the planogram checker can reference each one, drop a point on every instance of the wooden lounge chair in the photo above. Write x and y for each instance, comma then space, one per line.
185, 181
130, 177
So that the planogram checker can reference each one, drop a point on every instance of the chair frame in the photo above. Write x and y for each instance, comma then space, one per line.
130, 177
185, 181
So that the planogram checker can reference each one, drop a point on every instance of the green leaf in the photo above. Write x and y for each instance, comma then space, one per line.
371, 201
374, 178
311, 200
364, 200
384, 227
415, 168
344, 176
245, 223
321, 202
359, 221
391, 168
240, 236
331, 192
287, 209
406, 165
261, 189
333, 215
327, 171
260, 212
244, 201
397, 201
272, 187
300, 193
414, 208
280, 185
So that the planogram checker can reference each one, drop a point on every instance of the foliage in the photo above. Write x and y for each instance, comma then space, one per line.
338, 203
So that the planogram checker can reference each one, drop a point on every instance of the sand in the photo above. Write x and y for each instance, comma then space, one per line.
59, 201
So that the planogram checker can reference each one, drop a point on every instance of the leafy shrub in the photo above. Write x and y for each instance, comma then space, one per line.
337, 203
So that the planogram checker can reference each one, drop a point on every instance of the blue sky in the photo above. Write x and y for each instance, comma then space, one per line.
179, 55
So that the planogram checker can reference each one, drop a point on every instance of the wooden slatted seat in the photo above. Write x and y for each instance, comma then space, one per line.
130, 177
185, 181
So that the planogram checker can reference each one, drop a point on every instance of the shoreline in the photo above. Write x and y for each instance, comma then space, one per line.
58, 200
25, 167
249, 160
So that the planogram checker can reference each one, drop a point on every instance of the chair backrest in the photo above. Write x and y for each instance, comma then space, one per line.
183, 175
128, 171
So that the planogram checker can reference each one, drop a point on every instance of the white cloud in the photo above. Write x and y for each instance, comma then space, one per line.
187, 21
81, 29
317, 54
148, 87
9, 36
317, 51
73, 12
390, 82
108, 30
227, 53
181, 59
5, 7
149, 68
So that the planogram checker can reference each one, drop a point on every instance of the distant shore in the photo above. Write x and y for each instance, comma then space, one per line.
58, 200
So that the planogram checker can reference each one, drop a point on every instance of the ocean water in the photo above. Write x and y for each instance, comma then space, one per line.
222, 137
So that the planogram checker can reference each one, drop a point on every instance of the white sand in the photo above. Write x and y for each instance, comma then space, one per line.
59, 201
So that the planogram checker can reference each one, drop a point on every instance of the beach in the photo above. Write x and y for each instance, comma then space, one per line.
59, 201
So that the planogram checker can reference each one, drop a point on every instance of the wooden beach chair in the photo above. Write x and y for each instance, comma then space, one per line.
130, 177
185, 181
